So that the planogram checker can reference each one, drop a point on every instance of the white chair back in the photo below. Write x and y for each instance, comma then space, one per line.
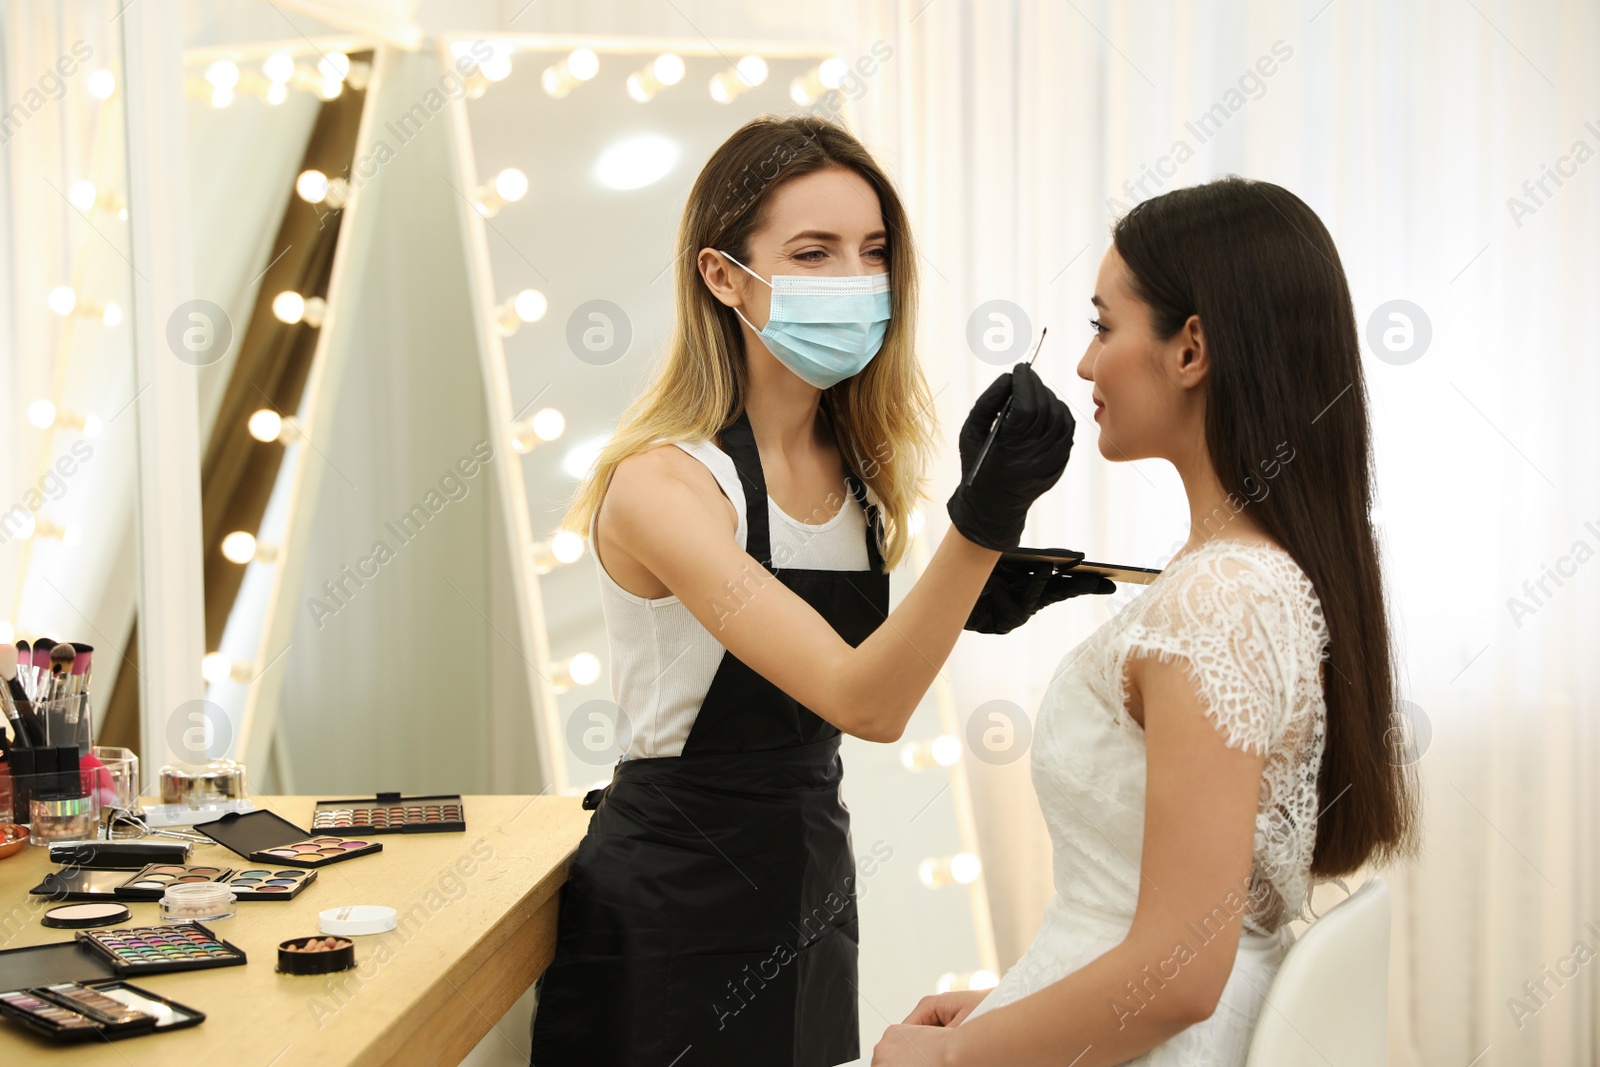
1328, 1005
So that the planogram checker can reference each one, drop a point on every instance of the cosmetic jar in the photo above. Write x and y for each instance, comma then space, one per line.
197, 902
315, 955
218, 781
62, 819
357, 919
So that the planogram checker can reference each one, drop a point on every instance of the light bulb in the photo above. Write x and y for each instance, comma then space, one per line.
92, 426
265, 425
584, 668
312, 185
239, 547
277, 93
279, 67
668, 68
215, 667
42, 413
511, 184
531, 305
334, 67
753, 70
946, 750
72, 535
583, 64
221, 97
62, 300
497, 67
223, 74
81, 193
112, 315
566, 546
548, 424
289, 306
102, 83
965, 868
831, 73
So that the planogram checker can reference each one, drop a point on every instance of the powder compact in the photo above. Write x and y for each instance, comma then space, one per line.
158, 949
83, 916
87, 1011
271, 840
391, 813
316, 955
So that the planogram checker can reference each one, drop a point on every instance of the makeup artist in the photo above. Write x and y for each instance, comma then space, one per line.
745, 516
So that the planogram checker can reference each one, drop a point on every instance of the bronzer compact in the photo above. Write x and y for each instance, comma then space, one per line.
269, 839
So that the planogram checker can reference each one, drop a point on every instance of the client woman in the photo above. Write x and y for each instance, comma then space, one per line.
1221, 742
745, 517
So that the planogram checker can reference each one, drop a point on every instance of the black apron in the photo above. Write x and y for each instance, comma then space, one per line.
709, 917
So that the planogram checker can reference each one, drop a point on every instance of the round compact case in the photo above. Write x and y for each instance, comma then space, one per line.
316, 955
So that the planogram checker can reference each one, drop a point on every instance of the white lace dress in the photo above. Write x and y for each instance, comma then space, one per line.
1244, 622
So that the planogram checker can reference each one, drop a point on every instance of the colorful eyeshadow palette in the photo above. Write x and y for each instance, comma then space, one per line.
391, 813
262, 883
70, 1011
152, 881
271, 840
158, 949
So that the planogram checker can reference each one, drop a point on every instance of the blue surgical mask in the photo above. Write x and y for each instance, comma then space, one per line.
825, 329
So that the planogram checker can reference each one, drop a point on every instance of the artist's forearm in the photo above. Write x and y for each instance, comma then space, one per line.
892, 669
1093, 1014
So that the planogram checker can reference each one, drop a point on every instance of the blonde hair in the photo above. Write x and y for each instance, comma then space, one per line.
882, 417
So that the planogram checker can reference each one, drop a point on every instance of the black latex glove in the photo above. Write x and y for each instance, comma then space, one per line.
1019, 587
1027, 458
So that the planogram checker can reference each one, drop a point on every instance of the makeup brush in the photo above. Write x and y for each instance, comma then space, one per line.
41, 667
61, 658
8, 672
17, 707
24, 667
81, 667
994, 428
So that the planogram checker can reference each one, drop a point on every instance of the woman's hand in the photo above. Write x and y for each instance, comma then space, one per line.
1027, 458
915, 1046
945, 1009
1017, 588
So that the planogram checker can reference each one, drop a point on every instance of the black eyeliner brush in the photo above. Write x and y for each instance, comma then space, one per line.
994, 430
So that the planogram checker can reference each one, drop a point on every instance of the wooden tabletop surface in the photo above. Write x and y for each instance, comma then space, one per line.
477, 926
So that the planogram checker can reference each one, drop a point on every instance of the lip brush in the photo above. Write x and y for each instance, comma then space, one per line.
994, 429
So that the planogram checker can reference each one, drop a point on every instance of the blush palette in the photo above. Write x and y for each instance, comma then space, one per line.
391, 813
158, 949
271, 840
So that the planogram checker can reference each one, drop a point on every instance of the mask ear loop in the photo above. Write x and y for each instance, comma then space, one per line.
758, 278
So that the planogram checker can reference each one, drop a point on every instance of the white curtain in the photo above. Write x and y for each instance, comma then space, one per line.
1409, 129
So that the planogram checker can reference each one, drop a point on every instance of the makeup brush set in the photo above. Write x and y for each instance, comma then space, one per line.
56, 781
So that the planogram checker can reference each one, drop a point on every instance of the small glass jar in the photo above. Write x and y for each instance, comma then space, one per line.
198, 902
52, 821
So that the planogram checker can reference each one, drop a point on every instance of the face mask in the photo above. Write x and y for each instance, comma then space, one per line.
824, 329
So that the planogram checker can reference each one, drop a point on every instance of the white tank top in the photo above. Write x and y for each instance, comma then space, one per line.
662, 659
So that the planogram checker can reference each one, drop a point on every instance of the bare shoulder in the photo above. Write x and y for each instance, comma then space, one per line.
659, 481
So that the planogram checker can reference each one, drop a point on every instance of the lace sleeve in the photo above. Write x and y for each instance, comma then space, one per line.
1223, 620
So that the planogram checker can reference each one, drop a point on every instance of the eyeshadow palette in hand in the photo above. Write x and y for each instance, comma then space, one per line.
269, 839
391, 813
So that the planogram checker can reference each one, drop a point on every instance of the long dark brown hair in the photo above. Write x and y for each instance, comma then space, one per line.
1260, 270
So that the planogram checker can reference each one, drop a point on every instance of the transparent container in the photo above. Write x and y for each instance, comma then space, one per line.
198, 902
